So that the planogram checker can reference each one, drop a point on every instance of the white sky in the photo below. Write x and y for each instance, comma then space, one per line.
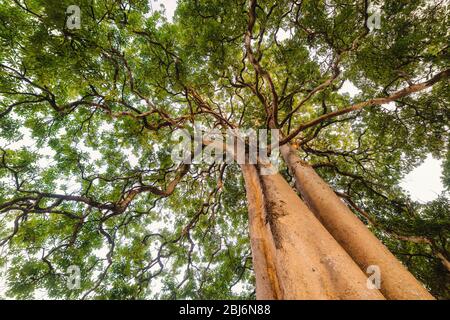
424, 183
169, 5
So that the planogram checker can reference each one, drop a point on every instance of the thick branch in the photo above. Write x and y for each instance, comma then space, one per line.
377, 101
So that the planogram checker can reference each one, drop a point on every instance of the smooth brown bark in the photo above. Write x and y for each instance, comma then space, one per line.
365, 249
263, 248
310, 263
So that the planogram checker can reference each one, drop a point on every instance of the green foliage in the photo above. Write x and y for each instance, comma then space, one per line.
86, 117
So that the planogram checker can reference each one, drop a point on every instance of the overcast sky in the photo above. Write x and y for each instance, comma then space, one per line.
169, 5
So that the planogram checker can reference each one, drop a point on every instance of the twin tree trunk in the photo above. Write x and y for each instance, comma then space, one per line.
319, 251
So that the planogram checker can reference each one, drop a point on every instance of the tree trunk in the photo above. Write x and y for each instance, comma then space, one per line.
351, 233
261, 241
308, 262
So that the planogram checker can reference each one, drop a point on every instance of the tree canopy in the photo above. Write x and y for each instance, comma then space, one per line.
86, 116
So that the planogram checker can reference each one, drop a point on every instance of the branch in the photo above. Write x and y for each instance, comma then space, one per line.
377, 101
257, 66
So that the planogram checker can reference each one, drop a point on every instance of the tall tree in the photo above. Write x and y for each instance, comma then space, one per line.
87, 177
